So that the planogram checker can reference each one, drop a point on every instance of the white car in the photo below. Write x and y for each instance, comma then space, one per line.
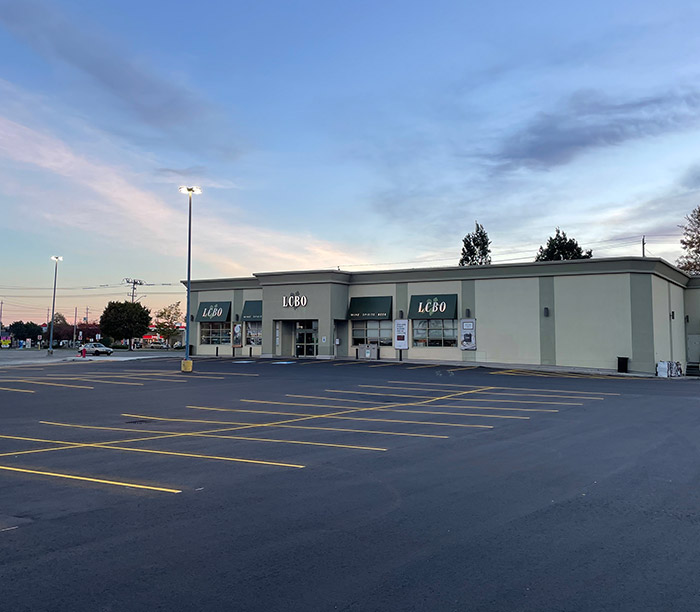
96, 348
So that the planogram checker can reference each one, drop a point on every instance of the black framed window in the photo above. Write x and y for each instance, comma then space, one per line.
215, 333
372, 332
435, 332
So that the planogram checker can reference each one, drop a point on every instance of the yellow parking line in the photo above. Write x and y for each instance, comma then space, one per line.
333, 399
344, 363
464, 368
212, 435
16, 390
383, 365
191, 374
470, 399
96, 380
501, 408
109, 445
246, 425
409, 382
116, 483
495, 392
345, 418
485, 416
432, 365
36, 382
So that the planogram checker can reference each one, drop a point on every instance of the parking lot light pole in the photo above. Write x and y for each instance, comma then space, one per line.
56, 259
186, 365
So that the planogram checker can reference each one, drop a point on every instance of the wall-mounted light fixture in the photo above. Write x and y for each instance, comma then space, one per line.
546, 311
673, 314
687, 319
400, 314
468, 313
236, 317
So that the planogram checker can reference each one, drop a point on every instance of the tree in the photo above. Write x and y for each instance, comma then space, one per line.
167, 320
560, 248
62, 330
690, 261
476, 250
125, 320
21, 330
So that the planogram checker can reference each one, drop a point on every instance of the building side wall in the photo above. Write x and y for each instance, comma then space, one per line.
507, 320
678, 333
662, 313
592, 320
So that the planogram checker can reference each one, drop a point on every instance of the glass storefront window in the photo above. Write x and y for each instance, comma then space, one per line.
253, 333
372, 332
435, 332
215, 333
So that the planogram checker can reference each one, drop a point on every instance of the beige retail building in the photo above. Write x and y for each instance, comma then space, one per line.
583, 313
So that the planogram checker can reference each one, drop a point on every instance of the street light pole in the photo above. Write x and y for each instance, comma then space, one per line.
190, 191
56, 259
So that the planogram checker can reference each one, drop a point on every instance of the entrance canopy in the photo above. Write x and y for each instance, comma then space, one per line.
368, 308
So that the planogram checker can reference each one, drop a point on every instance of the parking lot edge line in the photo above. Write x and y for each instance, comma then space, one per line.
248, 425
470, 399
115, 483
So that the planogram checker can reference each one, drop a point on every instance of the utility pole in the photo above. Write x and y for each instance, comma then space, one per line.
134, 282
48, 310
75, 325
0, 315
87, 313
644, 242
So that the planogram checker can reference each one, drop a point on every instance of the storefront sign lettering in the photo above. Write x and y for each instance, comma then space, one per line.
432, 306
294, 300
212, 311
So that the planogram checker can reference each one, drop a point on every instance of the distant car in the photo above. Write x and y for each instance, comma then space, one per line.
158, 345
96, 348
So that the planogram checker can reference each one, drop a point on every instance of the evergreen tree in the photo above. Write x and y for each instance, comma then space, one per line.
690, 261
476, 250
561, 248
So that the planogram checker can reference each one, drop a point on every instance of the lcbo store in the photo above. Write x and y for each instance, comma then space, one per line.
584, 313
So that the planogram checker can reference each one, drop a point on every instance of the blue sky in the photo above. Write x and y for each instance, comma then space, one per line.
326, 134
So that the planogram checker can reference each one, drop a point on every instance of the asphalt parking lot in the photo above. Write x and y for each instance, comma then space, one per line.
307, 486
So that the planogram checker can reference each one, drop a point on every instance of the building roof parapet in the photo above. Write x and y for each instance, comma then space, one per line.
608, 265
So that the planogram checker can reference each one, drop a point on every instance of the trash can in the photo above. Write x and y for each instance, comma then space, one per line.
623, 364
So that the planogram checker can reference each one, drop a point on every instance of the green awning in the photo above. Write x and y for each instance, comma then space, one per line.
366, 308
214, 312
440, 306
252, 310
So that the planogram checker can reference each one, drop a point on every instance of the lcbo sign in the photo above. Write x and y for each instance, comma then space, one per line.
212, 312
294, 300
432, 306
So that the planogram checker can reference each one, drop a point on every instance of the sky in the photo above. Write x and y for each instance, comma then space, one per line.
324, 134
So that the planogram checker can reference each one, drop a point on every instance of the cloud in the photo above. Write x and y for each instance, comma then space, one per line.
138, 219
588, 120
160, 103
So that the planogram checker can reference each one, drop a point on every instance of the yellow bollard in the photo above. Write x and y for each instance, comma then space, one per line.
186, 365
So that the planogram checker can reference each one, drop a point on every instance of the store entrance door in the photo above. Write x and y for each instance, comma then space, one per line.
306, 338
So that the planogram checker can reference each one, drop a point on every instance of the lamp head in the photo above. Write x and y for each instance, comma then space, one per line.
56, 258
194, 190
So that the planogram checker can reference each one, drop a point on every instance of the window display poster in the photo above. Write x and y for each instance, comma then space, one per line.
401, 334
467, 334
237, 339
